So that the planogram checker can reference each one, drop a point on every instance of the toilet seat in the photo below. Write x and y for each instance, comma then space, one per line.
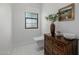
39, 38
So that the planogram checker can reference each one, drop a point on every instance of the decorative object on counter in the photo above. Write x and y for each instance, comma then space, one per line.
69, 36
53, 18
67, 13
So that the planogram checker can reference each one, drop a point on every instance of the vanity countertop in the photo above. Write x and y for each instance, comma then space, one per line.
69, 36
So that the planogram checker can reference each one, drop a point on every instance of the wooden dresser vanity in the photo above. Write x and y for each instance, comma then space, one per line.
59, 45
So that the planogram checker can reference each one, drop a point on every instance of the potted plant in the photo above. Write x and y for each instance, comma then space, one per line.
52, 18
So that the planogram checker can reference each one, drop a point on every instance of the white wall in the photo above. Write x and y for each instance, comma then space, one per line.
5, 28
21, 35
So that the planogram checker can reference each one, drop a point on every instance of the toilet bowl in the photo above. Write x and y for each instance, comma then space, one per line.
39, 41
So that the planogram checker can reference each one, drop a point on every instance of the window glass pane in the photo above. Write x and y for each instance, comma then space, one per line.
31, 15
34, 15
34, 25
31, 20
28, 25
28, 21
34, 21
28, 14
31, 25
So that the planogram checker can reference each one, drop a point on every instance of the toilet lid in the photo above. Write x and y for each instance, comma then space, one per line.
39, 38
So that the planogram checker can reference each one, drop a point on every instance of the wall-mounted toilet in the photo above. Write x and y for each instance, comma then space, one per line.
39, 41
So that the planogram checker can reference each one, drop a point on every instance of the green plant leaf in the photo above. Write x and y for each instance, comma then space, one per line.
52, 17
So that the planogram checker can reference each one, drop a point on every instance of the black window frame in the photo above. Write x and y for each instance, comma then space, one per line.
31, 18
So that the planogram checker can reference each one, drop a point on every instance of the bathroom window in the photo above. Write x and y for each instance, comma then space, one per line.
31, 20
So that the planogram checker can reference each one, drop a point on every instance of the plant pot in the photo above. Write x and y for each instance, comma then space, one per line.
52, 29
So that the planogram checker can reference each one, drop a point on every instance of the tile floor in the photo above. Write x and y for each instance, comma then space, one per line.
30, 49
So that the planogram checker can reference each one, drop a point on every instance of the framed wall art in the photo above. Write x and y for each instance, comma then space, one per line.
67, 13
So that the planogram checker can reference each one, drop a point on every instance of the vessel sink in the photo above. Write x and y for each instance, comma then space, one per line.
69, 36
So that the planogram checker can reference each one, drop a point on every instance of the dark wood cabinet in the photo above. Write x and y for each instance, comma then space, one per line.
59, 45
